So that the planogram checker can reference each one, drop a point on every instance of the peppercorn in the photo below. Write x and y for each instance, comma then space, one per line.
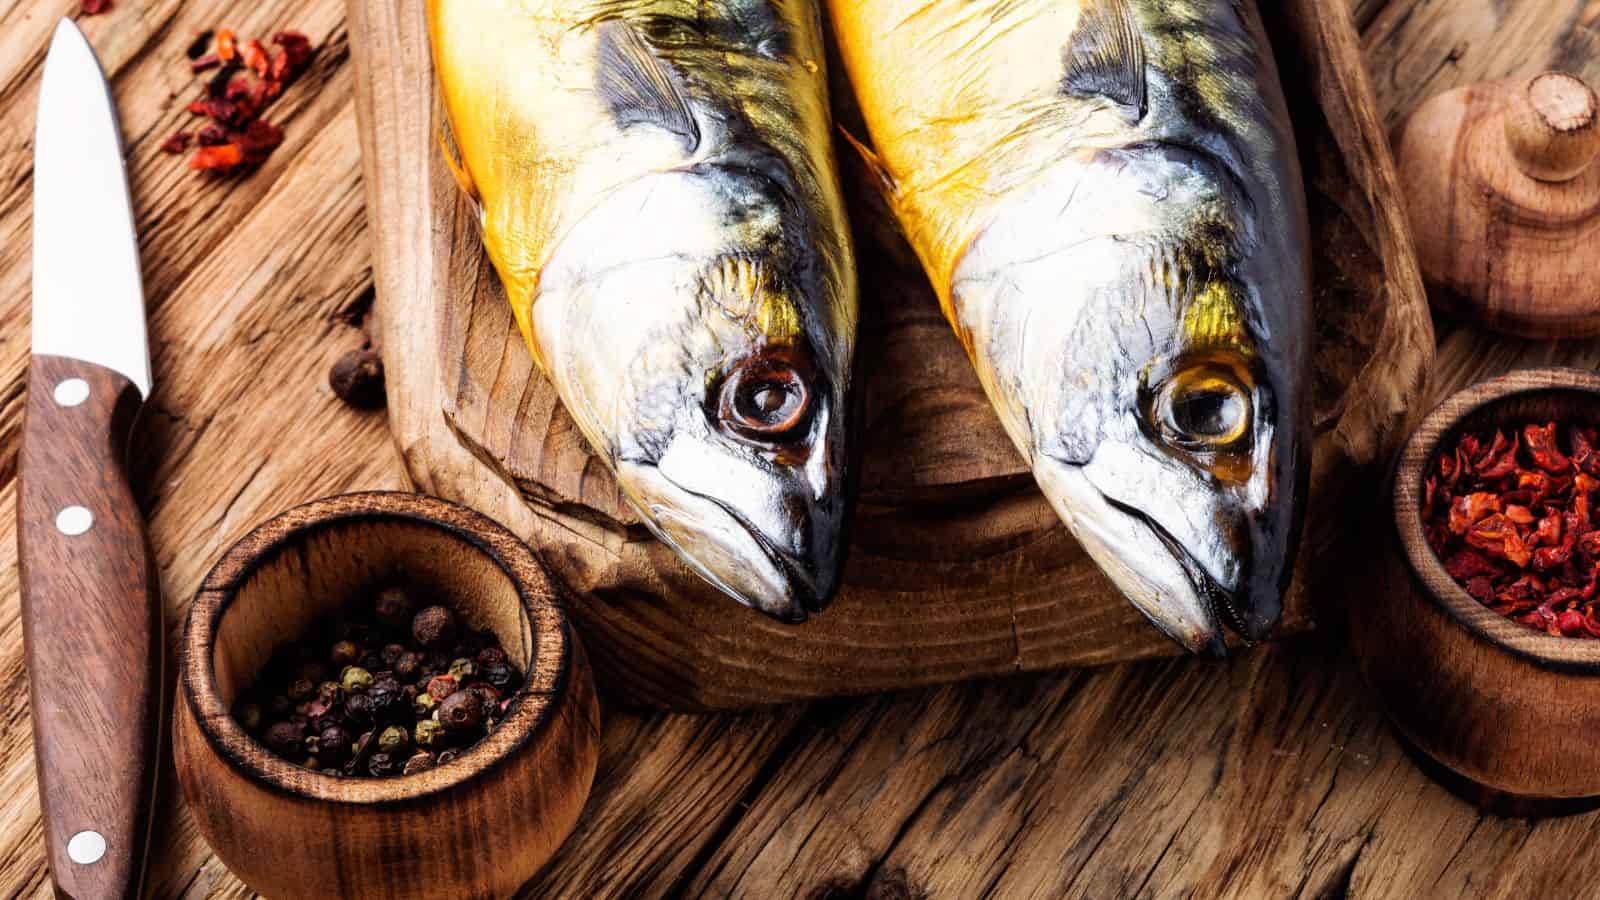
390, 653
501, 675
334, 742
344, 653
358, 708
357, 379
371, 660
420, 762
434, 627
314, 671
382, 764
442, 686
462, 669
393, 739
387, 697
249, 716
300, 690
407, 665
395, 606
285, 738
438, 660
355, 679
487, 695
427, 733
461, 712
425, 704
491, 656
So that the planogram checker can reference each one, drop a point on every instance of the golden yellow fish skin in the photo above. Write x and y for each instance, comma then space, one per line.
538, 145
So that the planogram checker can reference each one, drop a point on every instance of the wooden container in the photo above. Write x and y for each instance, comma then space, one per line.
1504, 202
958, 567
1511, 715
479, 826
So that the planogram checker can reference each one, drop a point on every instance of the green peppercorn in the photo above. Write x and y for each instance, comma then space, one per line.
344, 653
428, 733
285, 738
249, 716
461, 712
395, 606
355, 679
421, 762
434, 627
462, 669
393, 739
425, 704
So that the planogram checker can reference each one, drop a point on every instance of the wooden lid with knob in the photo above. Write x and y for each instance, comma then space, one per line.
1502, 194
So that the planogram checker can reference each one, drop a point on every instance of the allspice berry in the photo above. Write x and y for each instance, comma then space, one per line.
357, 379
461, 711
434, 627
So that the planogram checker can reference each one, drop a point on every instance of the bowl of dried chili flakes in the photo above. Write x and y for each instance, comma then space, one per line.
1483, 642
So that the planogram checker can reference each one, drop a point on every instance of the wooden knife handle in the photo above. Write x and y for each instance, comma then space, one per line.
91, 617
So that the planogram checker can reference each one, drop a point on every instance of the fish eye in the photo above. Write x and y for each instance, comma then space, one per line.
765, 398
1204, 409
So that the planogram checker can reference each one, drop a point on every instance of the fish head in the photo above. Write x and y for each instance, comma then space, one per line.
704, 348
1138, 326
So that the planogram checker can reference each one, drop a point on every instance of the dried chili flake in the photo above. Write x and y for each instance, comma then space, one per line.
1508, 512
220, 158
293, 55
204, 63
254, 57
211, 136
227, 46
177, 143
95, 7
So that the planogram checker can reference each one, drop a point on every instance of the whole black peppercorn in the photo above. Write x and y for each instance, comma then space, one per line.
344, 653
334, 742
461, 712
285, 738
358, 709
407, 666
501, 675
300, 690
372, 661
395, 606
487, 694
434, 627
491, 656
357, 379
390, 653
381, 765
387, 697
249, 716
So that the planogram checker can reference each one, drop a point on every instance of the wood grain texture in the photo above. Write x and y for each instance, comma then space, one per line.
1505, 206
958, 567
1454, 675
91, 616
1272, 775
476, 827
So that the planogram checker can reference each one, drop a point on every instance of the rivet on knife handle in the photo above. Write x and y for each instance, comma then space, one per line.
91, 624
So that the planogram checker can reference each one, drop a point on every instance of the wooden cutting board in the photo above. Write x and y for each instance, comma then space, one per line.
958, 567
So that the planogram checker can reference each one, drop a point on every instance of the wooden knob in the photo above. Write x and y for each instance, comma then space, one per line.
1551, 127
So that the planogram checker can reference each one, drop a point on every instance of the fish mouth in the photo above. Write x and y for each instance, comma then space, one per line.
1148, 564
787, 575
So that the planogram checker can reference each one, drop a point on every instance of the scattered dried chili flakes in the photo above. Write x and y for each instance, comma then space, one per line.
95, 7
1509, 513
248, 78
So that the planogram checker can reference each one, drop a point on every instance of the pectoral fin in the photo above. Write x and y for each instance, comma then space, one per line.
639, 88
875, 167
1106, 57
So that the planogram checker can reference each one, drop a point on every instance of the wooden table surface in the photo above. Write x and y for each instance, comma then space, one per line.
1270, 775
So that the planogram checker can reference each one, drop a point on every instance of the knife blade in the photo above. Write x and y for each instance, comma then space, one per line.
91, 606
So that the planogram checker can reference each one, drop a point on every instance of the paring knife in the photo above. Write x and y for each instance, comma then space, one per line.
91, 609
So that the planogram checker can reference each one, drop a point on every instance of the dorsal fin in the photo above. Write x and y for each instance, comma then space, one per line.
1106, 57
639, 88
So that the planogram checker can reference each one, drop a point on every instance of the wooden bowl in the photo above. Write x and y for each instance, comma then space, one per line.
1512, 714
479, 826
